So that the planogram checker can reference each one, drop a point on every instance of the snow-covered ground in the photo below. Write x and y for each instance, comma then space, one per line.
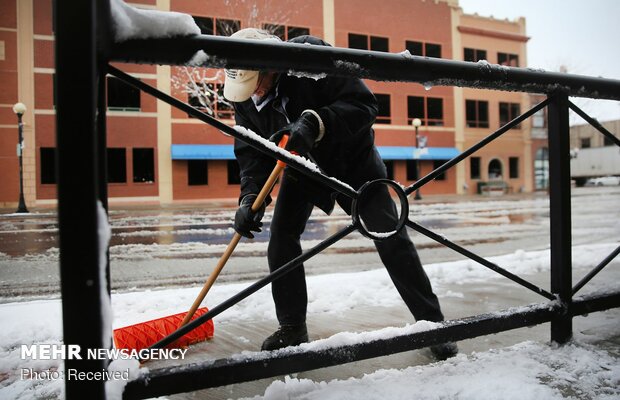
530, 369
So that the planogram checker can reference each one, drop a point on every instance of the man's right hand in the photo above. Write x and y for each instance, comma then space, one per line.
246, 220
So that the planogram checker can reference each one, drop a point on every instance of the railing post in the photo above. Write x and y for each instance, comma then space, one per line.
560, 216
82, 283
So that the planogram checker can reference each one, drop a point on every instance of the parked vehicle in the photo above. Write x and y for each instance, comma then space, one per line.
596, 162
604, 181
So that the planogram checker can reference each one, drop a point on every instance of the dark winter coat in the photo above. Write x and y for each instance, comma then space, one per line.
348, 110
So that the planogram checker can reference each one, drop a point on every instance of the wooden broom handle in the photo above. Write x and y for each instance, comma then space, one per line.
258, 202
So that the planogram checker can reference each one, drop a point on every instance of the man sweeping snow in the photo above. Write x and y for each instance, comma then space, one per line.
330, 121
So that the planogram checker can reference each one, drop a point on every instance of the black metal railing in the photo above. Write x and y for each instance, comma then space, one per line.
83, 28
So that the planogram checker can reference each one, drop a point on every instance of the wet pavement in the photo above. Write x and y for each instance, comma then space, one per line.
178, 246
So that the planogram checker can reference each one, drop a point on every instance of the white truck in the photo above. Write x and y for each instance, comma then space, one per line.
594, 162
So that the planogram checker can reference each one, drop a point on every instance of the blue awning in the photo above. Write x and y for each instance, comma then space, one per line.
412, 153
203, 152
226, 152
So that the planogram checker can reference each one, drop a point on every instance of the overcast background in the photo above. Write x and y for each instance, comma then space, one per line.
582, 35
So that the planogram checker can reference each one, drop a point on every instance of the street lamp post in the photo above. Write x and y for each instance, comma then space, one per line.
20, 109
416, 124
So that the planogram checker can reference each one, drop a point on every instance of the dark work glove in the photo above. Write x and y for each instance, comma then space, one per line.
247, 220
304, 133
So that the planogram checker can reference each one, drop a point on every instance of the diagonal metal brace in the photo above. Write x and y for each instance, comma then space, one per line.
438, 238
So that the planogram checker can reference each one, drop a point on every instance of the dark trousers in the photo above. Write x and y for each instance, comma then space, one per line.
398, 253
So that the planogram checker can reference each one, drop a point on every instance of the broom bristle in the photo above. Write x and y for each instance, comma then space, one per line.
145, 334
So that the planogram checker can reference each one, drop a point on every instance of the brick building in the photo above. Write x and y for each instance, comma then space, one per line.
160, 155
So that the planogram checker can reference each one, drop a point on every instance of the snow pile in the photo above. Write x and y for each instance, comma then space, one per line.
527, 370
133, 23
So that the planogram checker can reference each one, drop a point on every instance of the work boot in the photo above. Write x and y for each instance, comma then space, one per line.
444, 351
286, 335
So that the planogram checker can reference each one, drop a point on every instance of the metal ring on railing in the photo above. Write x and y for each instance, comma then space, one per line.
363, 192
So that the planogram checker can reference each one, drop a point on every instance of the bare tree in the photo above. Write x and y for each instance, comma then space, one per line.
204, 86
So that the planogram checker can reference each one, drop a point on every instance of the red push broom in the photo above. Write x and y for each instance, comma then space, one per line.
145, 334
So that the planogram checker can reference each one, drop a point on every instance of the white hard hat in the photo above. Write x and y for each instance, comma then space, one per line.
239, 84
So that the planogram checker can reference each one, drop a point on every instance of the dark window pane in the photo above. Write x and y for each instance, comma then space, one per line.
504, 114
483, 114
415, 107
197, 172
515, 111
414, 48
513, 167
585, 143
117, 165
384, 114
437, 164
474, 167
143, 165
433, 50
470, 113
294, 31
122, 96
358, 41
511, 60
379, 44
48, 165
481, 55
412, 171
205, 24
234, 173
607, 141
435, 111
276, 30
389, 166
226, 27
468, 55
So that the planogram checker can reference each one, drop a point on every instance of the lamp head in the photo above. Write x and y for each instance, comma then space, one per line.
416, 122
19, 108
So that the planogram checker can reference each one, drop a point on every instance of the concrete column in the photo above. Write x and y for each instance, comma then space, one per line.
329, 22
459, 103
164, 128
25, 90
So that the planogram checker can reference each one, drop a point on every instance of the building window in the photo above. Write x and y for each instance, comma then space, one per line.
143, 165
474, 55
508, 112
510, 60
365, 42
423, 49
538, 119
285, 32
197, 172
217, 26
428, 109
513, 167
477, 113
122, 96
389, 166
437, 164
48, 165
607, 141
117, 165
474, 167
234, 173
412, 170
209, 98
585, 143
384, 115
